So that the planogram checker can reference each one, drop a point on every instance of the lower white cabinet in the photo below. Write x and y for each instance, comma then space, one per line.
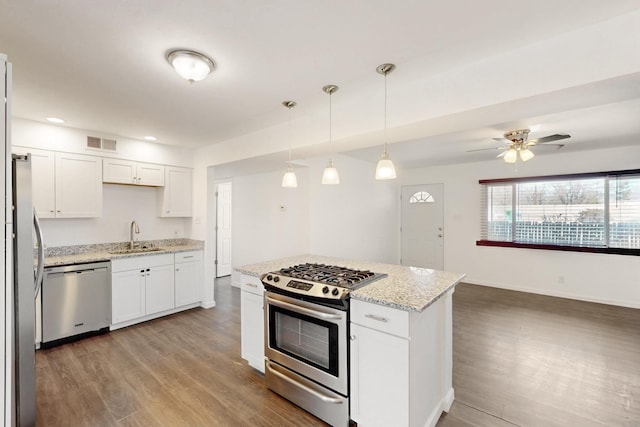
400, 364
188, 271
127, 294
159, 288
252, 321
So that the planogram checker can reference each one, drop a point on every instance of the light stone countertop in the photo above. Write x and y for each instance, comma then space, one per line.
404, 288
66, 255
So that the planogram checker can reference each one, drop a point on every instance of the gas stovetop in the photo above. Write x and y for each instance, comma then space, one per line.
321, 281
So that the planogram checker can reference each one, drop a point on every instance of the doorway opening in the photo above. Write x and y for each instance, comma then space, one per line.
223, 229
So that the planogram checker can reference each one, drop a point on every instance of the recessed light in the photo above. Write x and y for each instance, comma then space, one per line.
150, 138
55, 120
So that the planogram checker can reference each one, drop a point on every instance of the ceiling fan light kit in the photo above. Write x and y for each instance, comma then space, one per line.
385, 168
518, 146
190, 65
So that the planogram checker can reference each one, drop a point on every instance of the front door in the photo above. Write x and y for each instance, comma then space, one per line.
422, 226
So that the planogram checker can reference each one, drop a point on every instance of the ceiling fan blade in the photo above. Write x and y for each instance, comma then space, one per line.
485, 149
503, 140
549, 138
502, 154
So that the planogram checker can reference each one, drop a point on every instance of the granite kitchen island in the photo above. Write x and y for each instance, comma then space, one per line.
400, 337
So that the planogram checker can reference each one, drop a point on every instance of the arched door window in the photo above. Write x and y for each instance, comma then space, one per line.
421, 197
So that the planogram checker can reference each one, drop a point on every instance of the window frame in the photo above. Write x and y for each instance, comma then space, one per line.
590, 249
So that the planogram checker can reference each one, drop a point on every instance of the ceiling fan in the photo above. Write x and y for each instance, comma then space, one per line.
516, 142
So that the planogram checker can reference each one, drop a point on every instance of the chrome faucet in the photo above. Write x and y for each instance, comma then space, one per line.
136, 229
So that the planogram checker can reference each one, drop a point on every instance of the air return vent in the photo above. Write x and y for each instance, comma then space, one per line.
101, 143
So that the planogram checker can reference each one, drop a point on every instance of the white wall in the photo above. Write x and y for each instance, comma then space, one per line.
603, 278
357, 219
261, 230
121, 205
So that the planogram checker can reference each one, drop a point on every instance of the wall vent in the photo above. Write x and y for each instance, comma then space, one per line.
105, 144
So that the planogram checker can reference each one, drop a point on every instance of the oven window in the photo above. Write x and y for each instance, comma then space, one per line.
305, 338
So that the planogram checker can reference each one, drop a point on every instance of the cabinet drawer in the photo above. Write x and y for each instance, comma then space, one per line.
380, 318
251, 284
139, 262
188, 256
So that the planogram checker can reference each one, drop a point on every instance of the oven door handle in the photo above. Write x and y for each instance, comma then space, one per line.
303, 310
309, 390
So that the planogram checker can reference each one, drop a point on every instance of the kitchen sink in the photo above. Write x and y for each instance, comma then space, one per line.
135, 251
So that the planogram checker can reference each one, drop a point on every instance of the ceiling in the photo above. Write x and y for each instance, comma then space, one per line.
101, 66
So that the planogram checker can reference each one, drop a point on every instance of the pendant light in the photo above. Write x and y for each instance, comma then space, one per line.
289, 179
385, 168
330, 175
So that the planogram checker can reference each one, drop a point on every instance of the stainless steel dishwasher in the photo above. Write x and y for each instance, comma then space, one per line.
76, 302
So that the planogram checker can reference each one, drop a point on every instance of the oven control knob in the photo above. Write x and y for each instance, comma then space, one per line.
325, 290
269, 277
335, 291
276, 279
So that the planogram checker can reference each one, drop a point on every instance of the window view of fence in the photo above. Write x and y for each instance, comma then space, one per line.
598, 212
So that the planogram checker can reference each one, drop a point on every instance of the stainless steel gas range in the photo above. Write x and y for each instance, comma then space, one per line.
307, 336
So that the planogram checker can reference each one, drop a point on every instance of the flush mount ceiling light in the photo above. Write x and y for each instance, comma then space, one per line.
150, 138
54, 120
190, 65
289, 179
385, 168
330, 175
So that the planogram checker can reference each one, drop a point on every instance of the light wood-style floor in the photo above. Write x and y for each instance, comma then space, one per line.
519, 360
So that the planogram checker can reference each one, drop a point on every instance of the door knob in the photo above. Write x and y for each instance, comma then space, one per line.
439, 235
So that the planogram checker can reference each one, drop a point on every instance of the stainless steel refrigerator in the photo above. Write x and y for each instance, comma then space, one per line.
21, 279
27, 281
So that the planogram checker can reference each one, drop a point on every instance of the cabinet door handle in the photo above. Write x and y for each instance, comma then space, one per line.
177, 269
253, 285
378, 318
353, 337
190, 256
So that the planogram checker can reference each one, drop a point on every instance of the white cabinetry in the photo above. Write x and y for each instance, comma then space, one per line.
117, 171
187, 277
176, 196
400, 364
141, 286
65, 185
252, 321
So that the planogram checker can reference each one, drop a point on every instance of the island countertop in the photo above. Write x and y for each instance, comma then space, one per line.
404, 288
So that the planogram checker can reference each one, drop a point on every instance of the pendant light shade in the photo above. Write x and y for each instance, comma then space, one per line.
385, 168
330, 174
289, 179
190, 65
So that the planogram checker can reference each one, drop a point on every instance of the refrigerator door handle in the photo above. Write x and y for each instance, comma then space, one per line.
40, 267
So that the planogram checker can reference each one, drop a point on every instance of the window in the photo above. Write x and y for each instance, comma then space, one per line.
597, 212
421, 197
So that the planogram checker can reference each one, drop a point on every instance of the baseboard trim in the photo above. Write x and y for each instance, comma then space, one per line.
447, 400
551, 293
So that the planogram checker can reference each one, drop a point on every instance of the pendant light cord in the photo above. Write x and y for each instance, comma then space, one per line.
290, 143
385, 113
330, 124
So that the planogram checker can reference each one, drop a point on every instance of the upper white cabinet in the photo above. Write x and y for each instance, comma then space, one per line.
78, 186
117, 171
176, 196
65, 185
